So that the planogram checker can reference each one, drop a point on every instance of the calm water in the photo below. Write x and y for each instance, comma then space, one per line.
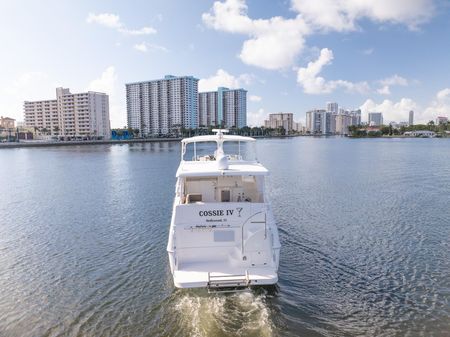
364, 226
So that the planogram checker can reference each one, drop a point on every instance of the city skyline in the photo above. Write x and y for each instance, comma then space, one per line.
371, 55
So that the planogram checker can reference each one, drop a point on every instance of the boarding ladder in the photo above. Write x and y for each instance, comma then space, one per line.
217, 282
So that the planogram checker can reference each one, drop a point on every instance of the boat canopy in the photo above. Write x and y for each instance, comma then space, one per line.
213, 147
214, 138
210, 169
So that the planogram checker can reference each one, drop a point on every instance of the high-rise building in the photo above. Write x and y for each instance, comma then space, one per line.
343, 121
70, 115
319, 121
164, 106
356, 117
282, 119
333, 107
375, 118
411, 118
441, 120
207, 108
224, 107
234, 111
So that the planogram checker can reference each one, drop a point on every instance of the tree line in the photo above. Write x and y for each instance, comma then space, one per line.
389, 130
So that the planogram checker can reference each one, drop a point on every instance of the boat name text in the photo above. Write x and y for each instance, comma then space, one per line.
216, 212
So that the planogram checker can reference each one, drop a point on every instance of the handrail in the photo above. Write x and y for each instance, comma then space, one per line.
245, 222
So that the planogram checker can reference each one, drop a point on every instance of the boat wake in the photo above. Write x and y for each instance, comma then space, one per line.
198, 313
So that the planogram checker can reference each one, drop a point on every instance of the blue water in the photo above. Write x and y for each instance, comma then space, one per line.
364, 226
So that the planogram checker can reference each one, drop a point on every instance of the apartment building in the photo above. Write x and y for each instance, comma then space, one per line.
224, 107
375, 118
319, 121
163, 106
70, 115
208, 108
284, 120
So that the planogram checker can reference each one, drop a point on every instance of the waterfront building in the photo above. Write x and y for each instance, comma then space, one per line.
225, 108
411, 118
333, 120
297, 127
356, 117
441, 120
343, 121
318, 121
70, 115
282, 119
333, 107
7, 123
163, 106
207, 109
375, 118
7, 129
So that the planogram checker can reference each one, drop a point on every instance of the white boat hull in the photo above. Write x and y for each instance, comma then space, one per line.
223, 245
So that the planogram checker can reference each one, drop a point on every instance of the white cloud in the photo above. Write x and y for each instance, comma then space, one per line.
141, 47
392, 111
141, 31
108, 83
113, 21
342, 15
390, 81
105, 19
256, 118
255, 98
145, 47
223, 79
368, 51
29, 86
308, 77
274, 43
399, 111
105, 83
443, 95
440, 106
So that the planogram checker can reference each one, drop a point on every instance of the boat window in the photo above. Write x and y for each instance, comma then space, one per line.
203, 151
206, 151
240, 150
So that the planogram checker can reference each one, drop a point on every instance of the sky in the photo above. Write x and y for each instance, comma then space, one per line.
291, 56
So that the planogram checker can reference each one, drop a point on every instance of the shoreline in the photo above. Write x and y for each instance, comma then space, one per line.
14, 145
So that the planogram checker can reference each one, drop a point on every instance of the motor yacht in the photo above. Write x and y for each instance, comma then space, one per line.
222, 233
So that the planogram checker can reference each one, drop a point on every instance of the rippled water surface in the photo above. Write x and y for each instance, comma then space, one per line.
364, 227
